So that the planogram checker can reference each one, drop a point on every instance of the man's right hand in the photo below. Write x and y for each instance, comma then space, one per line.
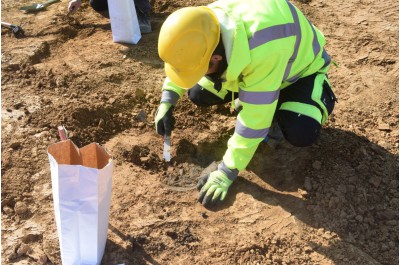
74, 5
164, 120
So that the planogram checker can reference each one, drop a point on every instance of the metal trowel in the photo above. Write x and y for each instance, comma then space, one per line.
37, 7
16, 30
167, 148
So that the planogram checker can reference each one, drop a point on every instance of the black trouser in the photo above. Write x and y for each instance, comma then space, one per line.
142, 6
298, 129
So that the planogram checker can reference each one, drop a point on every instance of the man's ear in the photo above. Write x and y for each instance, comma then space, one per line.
216, 57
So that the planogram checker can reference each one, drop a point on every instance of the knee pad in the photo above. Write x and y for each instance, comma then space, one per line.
299, 130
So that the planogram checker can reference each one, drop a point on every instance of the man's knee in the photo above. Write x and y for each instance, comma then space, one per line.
299, 130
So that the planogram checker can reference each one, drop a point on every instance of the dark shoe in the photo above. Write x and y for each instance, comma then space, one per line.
144, 21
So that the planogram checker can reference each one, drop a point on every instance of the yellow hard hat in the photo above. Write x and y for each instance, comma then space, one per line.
187, 40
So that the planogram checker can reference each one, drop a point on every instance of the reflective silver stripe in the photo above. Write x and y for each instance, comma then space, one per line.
298, 39
272, 33
326, 57
315, 44
316, 49
266, 97
250, 133
169, 96
230, 173
294, 78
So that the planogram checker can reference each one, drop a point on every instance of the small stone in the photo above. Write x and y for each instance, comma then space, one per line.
204, 215
140, 93
327, 235
307, 184
359, 218
18, 105
42, 259
320, 231
38, 255
317, 165
375, 181
308, 249
15, 145
145, 159
20, 208
8, 210
12, 256
303, 193
23, 249
142, 116
382, 126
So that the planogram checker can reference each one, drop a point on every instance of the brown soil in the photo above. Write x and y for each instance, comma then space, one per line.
335, 202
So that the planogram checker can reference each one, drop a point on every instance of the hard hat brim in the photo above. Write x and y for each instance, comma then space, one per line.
185, 80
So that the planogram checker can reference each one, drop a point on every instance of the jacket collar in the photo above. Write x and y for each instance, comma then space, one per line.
235, 42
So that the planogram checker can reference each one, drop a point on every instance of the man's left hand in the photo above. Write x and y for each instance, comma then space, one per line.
213, 188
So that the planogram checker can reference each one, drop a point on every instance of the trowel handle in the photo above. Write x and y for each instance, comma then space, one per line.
5, 24
47, 3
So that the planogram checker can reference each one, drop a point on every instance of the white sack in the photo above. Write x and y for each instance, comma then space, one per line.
124, 22
81, 184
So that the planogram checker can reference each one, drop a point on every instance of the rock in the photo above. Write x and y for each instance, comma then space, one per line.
303, 193
307, 184
12, 257
382, 126
18, 105
376, 181
38, 255
327, 235
23, 249
20, 208
333, 201
145, 159
140, 94
15, 145
8, 210
142, 116
317, 165
388, 214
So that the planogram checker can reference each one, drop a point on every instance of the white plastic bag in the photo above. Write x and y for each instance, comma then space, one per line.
81, 183
124, 22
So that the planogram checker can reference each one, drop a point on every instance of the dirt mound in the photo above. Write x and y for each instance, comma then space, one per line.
335, 202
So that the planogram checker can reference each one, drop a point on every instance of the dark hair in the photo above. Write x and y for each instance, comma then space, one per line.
216, 77
220, 49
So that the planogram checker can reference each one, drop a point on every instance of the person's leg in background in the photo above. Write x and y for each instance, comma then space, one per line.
143, 10
302, 109
100, 6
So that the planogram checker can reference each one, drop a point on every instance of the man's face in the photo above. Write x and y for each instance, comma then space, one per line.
214, 64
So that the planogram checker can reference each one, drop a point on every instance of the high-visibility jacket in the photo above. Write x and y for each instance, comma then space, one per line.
269, 45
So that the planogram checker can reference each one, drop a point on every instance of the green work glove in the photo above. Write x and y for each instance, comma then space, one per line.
213, 188
164, 120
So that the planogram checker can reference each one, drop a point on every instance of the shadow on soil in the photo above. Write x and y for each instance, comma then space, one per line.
355, 181
134, 253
